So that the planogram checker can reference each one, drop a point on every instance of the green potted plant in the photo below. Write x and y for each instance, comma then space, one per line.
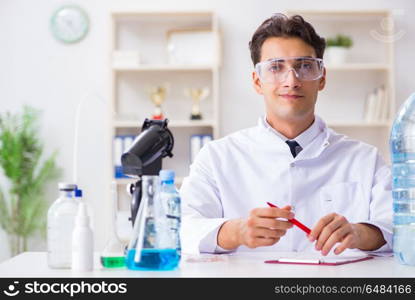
337, 48
25, 173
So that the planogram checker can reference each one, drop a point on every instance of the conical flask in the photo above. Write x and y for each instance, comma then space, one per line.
152, 246
113, 255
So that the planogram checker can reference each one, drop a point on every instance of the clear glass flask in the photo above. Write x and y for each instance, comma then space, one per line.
152, 246
113, 255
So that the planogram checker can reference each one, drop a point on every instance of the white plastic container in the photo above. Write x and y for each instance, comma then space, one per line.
82, 242
60, 223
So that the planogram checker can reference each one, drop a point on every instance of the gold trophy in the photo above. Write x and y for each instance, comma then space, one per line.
157, 96
197, 95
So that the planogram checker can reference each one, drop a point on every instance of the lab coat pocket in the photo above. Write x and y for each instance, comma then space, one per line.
342, 198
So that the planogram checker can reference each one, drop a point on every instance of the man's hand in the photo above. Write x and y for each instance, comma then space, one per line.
334, 228
261, 228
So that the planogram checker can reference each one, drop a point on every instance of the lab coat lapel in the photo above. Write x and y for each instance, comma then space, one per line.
316, 147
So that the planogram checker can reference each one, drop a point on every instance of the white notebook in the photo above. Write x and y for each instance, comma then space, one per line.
315, 258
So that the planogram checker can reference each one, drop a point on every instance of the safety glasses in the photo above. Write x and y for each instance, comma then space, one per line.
276, 70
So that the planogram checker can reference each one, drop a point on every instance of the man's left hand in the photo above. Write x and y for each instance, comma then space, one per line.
334, 228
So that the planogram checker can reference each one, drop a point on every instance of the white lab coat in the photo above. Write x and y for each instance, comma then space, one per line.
242, 171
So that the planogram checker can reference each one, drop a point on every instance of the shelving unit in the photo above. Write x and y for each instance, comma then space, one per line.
172, 123
146, 33
164, 68
357, 67
126, 181
370, 64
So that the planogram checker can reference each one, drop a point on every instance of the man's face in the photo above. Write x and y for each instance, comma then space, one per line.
291, 98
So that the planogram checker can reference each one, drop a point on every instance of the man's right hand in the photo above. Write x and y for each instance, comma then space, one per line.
261, 228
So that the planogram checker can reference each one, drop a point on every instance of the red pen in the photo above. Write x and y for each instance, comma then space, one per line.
295, 222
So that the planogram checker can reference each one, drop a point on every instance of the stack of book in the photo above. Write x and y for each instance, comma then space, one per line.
377, 106
121, 144
197, 141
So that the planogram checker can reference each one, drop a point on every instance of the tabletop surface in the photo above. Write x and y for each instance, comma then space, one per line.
34, 264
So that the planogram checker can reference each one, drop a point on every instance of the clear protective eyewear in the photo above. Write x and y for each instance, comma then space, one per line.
276, 70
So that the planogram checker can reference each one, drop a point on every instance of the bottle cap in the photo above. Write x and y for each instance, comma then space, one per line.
167, 175
82, 217
78, 193
64, 186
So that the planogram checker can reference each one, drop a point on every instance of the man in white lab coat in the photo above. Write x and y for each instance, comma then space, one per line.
339, 187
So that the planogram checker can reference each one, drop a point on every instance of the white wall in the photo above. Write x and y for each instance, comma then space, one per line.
38, 70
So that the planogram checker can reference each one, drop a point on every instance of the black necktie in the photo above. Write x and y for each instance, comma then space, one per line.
295, 148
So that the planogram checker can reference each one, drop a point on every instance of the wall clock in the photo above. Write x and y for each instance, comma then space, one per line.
69, 24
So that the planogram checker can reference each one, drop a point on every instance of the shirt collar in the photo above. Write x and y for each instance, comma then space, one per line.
304, 138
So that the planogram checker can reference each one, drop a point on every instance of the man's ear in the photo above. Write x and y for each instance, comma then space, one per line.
322, 83
256, 82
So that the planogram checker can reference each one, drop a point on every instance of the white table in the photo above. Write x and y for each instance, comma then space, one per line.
33, 264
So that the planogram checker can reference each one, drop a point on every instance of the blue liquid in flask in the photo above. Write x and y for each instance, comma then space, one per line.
154, 259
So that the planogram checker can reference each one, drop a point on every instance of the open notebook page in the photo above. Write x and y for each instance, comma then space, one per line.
317, 258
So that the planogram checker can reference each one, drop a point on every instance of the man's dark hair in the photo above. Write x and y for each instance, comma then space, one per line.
279, 25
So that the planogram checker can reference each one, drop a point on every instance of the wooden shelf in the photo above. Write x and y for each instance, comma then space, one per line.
171, 124
358, 124
154, 68
341, 15
338, 12
125, 181
359, 67
165, 16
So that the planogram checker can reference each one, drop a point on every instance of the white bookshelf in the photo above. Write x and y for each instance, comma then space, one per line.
161, 68
172, 123
358, 124
127, 181
370, 64
145, 32
358, 67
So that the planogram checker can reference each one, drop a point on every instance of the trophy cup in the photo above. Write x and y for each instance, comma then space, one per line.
197, 95
157, 96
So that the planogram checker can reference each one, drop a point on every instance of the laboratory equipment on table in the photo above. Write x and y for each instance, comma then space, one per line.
152, 245
113, 255
60, 224
144, 157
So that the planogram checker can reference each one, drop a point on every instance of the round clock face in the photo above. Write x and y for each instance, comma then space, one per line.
69, 24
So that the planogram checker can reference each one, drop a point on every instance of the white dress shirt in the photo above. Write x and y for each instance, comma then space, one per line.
242, 171
303, 139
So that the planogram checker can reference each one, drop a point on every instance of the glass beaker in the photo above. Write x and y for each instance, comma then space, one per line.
152, 246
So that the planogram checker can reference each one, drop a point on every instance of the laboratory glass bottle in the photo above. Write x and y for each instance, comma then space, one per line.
60, 224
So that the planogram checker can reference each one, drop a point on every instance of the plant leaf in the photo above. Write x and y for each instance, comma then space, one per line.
4, 213
23, 211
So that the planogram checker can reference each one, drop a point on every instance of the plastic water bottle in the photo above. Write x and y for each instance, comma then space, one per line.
402, 144
170, 197
60, 224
